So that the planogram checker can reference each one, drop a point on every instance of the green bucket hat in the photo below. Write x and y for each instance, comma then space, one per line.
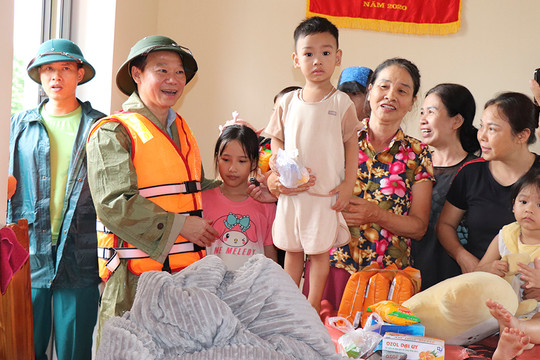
59, 50
145, 46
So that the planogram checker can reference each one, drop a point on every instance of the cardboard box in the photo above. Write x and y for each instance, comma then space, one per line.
388, 355
416, 347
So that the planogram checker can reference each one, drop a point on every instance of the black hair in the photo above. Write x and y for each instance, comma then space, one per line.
520, 111
405, 64
284, 91
531, 177
139, 62
457, 99
315, 25
352, 87
245, 136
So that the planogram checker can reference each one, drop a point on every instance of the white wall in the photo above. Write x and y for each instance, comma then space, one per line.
135, 19
106, 30
6, 61
244, 51
93, 30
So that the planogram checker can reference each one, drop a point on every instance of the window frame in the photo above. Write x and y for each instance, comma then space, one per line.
55, 23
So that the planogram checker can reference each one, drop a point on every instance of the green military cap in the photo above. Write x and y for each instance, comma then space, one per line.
59, 50
143, 47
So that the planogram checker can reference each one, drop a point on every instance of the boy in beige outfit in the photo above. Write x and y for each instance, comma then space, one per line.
320, 122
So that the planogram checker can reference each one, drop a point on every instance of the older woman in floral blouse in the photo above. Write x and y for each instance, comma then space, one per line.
394, 182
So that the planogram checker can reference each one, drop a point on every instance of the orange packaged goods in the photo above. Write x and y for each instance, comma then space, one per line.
264, 159
372, 285
394, 313
406, 283
354, 293
378, 288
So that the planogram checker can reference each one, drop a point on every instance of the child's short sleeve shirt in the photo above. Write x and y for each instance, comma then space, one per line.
244, 227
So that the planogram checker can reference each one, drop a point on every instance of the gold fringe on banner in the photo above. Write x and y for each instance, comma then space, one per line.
391, 26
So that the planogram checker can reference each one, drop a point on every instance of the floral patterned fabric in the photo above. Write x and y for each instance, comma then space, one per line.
385, 178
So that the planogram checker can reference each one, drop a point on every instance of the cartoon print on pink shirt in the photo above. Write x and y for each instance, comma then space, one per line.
235, 230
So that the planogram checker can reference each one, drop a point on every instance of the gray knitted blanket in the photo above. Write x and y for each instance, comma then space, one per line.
207, 312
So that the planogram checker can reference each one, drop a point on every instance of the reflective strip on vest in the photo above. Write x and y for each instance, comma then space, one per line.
113, 256
172, 189
102, 228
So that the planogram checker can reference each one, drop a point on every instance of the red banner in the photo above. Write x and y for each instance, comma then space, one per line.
436, 17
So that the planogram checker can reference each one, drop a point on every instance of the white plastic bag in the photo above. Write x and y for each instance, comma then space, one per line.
357, 343
291, 172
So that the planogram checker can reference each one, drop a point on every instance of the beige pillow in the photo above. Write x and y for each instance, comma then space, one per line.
458, 304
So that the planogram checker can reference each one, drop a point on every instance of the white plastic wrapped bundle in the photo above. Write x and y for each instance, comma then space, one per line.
291, 173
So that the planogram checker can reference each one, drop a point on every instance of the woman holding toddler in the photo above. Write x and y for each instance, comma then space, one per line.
481, 188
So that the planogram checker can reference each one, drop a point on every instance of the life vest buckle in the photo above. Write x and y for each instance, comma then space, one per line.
198, 213
105, 253
192, 186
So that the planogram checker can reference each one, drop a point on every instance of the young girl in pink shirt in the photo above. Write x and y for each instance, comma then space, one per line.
244, 224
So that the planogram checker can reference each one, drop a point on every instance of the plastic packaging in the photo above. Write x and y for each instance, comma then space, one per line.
394, 313
264, 159
356, 343
291, 173
372, 285
352, 302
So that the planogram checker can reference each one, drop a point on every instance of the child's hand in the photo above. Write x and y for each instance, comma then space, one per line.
344, 195
260, 192
498, 267
276, 187
531, 276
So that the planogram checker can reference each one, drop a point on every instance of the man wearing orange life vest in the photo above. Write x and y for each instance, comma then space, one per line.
145, 175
